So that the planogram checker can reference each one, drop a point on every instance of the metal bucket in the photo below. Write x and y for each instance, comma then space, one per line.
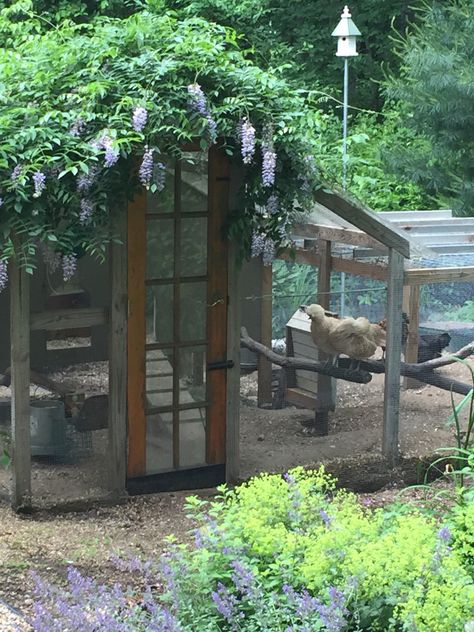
48, 428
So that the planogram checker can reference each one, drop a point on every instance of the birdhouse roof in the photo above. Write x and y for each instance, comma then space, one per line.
346, 26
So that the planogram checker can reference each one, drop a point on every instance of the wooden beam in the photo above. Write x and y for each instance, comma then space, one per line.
391, 409
233, 375
136, 335
422, 276
20, 374
364, 219
342, 235
264, 396
74, 318
412, 308
218, 201
338, 264
117, 411
325, 397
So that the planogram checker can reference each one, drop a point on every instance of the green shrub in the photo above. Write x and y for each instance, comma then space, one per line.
291, 554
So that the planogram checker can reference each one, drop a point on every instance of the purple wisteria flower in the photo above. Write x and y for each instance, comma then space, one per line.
269, 252
140, 117
197, 99
112, 154
39, 180
69, 264
258, 242
145, 173
87, 209
16, 173
86, 180
197, 102
77, 127
268, 168
3, 275
247, 138
273, 205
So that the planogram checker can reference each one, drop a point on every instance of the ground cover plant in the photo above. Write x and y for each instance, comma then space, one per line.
287, 553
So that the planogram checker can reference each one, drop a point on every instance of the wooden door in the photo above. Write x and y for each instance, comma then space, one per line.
177, 322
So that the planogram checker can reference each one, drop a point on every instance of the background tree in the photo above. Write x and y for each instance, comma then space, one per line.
435, 96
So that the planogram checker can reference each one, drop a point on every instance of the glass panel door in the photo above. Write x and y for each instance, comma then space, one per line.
176, 305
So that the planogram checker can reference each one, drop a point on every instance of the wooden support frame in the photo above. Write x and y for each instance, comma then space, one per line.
20, 375
264, 397
74, 318
391, 409
325, 383
233, 374
411, 306
117, 420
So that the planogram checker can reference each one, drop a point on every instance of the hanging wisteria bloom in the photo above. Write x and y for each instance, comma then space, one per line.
112, 154
77, 127
86, 180
16, 173
3, 275
87, 208
159, 176
197, 102
140, 116
258, 242
39, 180
268, 168
145, 173
273, 205
1, 201
268, 252
247, 139
69, 263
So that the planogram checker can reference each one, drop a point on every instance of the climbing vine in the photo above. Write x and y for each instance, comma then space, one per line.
88, 112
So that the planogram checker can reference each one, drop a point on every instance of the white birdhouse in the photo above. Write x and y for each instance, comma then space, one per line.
346, 32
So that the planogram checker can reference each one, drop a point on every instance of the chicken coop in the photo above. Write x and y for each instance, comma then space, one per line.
396, 258
121, 379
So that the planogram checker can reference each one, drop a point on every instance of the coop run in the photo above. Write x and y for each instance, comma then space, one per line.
411, 271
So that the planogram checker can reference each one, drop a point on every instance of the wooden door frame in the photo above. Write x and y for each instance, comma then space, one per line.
218, 206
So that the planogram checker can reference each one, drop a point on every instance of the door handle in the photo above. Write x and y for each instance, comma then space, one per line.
220, 364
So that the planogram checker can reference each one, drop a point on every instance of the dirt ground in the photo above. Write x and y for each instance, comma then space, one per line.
271, 440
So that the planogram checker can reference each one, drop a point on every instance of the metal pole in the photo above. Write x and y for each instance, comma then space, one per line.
344, 162
344, 122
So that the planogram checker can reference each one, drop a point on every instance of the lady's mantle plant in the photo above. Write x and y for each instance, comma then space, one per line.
287, 554
88, 111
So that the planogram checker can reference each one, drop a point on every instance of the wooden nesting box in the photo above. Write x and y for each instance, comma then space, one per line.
302, 386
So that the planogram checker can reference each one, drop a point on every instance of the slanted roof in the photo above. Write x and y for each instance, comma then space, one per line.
336, 209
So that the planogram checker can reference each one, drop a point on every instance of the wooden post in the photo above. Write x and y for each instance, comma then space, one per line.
391, 407
117, 422
264, 365
20, 372
233, 375
325, 383
411, 305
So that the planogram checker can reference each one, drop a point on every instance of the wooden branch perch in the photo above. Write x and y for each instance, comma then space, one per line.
423, 372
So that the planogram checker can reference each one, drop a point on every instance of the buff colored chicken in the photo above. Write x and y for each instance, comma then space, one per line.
357, 338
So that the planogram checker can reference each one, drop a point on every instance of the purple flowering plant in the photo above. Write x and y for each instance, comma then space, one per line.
79, 144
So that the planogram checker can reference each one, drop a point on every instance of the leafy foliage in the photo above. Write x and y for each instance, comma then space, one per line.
435, 96
67, 96
289, 553
296, 36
